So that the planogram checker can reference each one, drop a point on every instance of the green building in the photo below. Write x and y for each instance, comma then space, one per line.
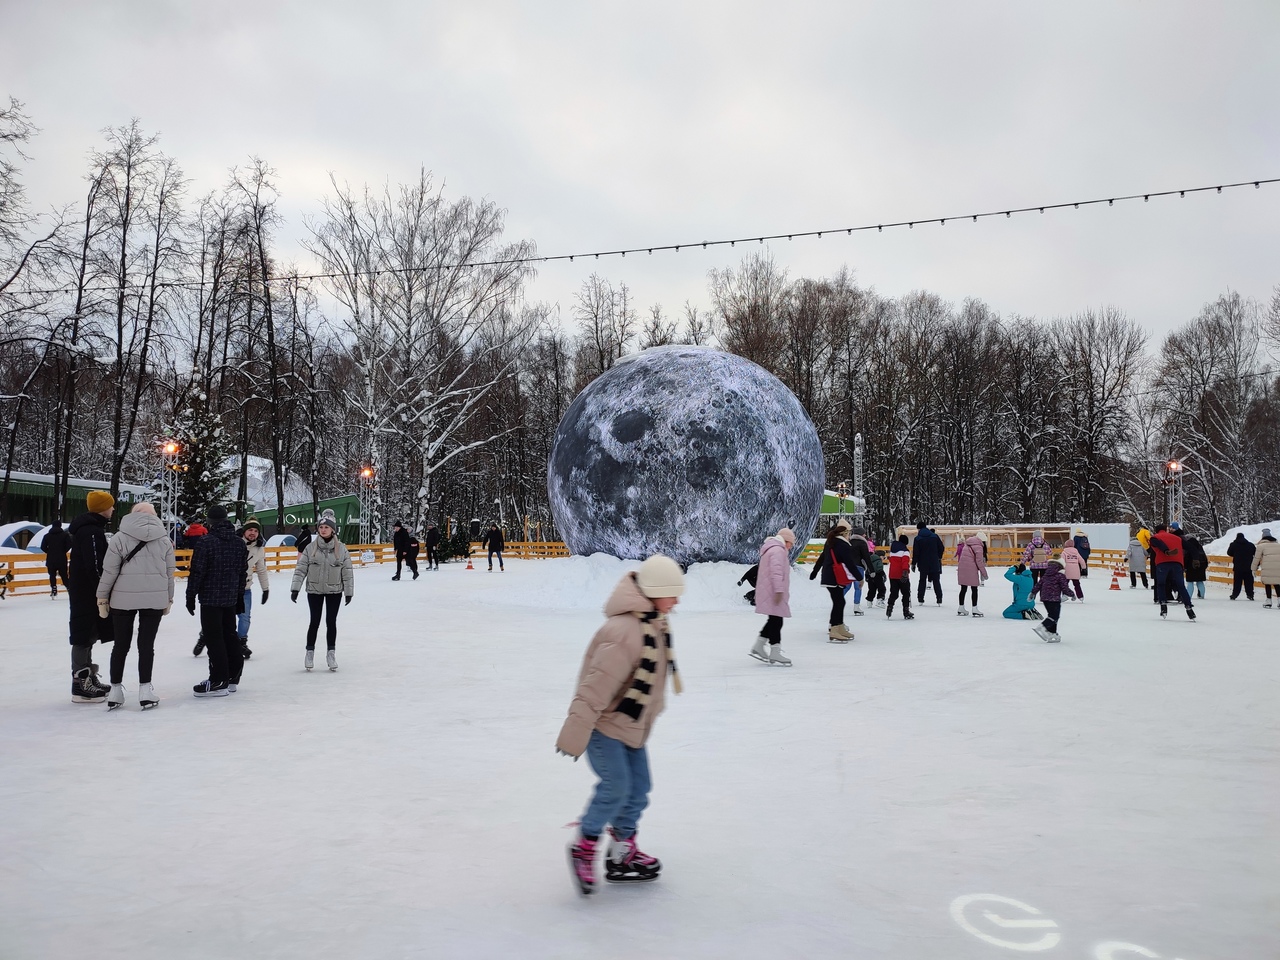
31, 497
345, 508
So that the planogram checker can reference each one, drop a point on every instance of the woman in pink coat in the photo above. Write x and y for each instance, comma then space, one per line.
1072, 564
971, 570
773, 595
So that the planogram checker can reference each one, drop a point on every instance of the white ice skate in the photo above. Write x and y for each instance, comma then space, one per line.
1041, 632
115, 698
758, 650
962, 612
331, 658
857, 610
147, 696
776, 656
310, 661
976, 612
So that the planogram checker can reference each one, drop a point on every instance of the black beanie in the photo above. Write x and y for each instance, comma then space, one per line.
217, 512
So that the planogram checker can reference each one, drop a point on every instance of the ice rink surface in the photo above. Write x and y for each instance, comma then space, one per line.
945, 789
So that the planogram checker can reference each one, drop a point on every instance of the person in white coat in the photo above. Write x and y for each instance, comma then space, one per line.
136, 582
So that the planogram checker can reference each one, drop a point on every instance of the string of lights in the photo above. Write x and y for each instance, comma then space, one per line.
705, 244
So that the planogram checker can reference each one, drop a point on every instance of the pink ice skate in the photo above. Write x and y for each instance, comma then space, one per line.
582, 862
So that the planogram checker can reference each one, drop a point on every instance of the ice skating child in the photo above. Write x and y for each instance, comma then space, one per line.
835, 563
1051, 586
325, 567
900, 578
621, 688
1072, 567
971, 570
1036, 556
876, 591
1023, 607
773, 596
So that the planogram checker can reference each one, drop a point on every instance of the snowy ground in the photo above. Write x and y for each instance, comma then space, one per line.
1123, 783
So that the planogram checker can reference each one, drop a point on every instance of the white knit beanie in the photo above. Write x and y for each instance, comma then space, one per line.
660, 576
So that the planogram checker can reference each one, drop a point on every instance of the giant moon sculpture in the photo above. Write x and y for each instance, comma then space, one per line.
686, 451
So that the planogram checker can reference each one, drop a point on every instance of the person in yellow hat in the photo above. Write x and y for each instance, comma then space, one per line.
88, 534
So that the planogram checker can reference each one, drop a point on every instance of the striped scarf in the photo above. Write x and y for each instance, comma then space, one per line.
641, 687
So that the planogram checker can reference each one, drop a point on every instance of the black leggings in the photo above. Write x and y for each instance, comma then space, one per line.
837, 605
148, 624
330, 604
772, 630
876, 589
963, 588
1133, 578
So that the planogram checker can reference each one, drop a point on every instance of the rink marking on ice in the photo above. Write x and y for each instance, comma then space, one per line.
1036, 921
1108, 950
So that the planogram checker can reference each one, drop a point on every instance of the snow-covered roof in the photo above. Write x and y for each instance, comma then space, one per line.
77, 482
261, 487
9, 530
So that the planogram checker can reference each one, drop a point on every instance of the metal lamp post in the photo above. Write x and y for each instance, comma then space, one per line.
368, 486
170, 450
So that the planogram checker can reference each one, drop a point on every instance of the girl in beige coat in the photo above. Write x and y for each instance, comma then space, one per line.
325, 567
620, 693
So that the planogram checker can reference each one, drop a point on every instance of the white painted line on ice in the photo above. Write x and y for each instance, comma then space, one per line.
1046, 942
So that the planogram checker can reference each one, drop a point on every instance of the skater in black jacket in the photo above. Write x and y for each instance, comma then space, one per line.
432, 541
493, 539
55, 544
1241, 552
219, 570
406, 552
88, 550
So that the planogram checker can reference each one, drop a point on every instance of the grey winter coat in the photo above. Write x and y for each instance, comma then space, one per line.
325, 567
146, 581
1137, 557
257, 564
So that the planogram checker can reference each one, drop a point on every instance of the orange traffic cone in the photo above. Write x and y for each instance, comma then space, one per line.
470, 567
1115, 578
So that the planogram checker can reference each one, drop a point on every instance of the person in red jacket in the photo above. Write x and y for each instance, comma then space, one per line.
1166, 548
900, 578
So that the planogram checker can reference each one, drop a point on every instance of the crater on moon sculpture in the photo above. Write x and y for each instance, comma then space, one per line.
686, 451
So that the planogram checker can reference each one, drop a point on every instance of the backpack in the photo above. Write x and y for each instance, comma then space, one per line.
876, 565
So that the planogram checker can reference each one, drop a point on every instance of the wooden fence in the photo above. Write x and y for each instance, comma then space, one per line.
29, 576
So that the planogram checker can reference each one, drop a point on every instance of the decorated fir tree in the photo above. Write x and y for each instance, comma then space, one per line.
203, 461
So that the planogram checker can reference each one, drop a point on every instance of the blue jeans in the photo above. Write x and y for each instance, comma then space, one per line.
1170, 585
623, 790
1198, 586
242, 621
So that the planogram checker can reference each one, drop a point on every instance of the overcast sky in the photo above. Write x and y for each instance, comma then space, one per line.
599, 125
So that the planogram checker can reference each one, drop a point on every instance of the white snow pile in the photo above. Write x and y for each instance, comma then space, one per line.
1252, 532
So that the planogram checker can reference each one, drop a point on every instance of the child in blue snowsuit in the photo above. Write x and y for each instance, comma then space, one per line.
1023, 607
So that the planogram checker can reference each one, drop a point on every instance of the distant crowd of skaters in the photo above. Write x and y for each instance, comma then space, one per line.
113, 585
849, 562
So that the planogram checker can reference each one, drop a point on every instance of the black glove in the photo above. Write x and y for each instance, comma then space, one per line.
293, 595
191, 605
265, 594
346, 601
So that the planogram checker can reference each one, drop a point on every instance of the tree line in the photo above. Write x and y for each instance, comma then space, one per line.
144, 312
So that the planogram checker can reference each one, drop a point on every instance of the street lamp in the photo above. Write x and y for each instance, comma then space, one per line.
1174, 471
170, 451
368, 486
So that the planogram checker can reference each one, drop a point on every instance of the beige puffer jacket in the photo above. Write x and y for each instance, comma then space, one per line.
610, 663
257, 564
325, 567
146, 581
1266, 562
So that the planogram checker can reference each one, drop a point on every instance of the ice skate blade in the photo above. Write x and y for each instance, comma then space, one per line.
633, 879
779, 663
150, 705
837, 640
113, 706
753, 654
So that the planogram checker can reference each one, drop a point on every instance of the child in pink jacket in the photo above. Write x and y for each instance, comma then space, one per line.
773, 595
620, 693
1072, 564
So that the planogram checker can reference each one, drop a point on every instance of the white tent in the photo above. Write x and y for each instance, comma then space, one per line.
10, 532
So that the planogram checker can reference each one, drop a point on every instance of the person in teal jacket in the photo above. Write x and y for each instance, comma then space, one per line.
1023, 607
